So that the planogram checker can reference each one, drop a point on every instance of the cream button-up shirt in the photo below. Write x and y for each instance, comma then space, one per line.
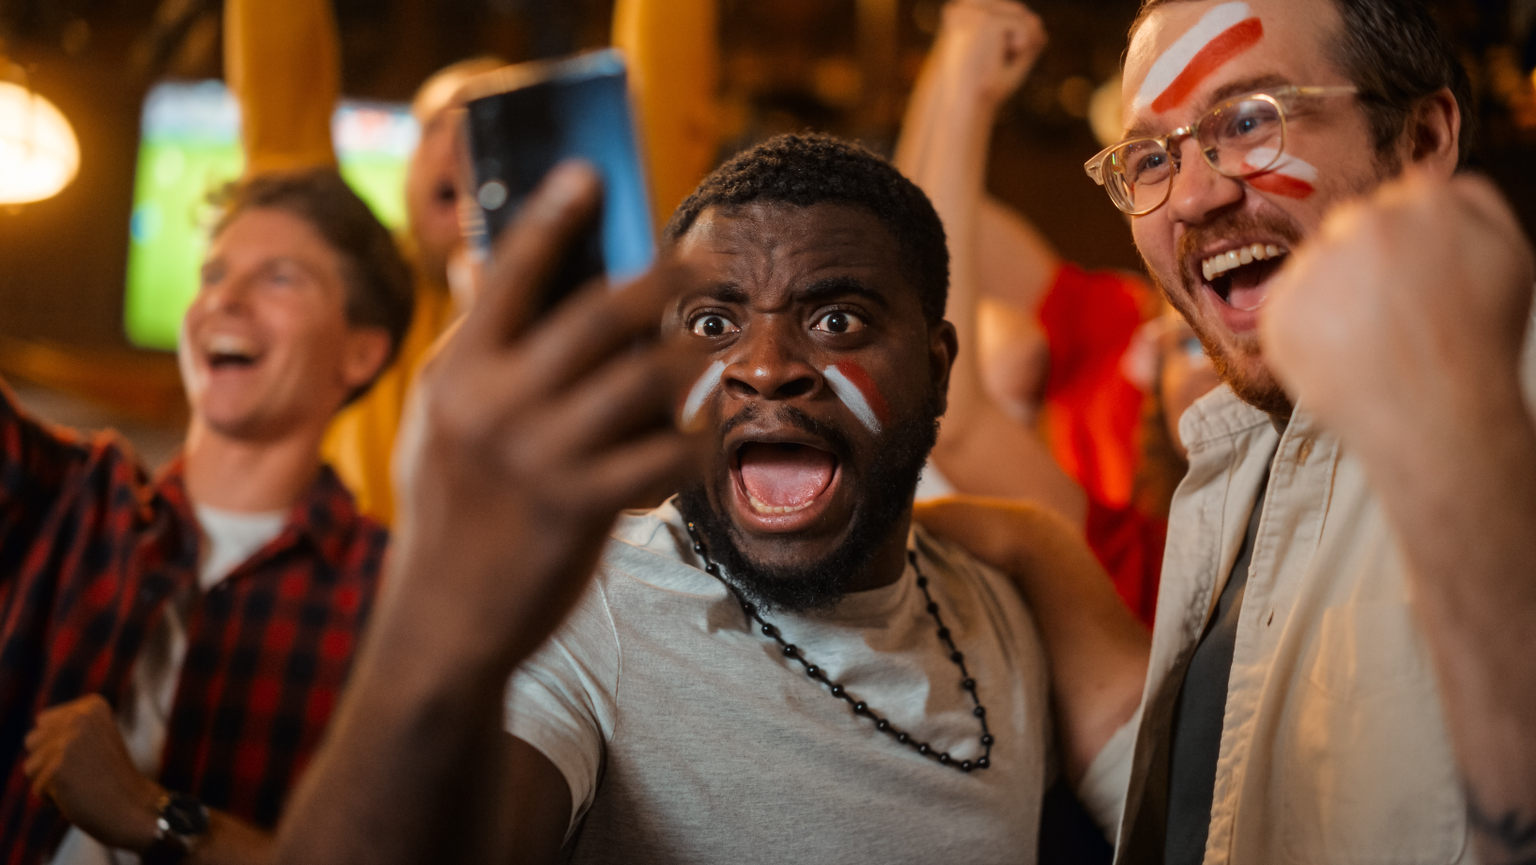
1334, 747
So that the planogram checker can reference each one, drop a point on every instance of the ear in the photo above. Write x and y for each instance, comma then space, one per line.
1434, 133
943, 348
363, 357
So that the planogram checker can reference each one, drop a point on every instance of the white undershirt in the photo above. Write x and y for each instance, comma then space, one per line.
228, 539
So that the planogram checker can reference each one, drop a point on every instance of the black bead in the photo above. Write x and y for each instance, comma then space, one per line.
749, 608
711, 568
944, 758
882, 725
837, 690
957, 657
983, 763
981, 711
912, 556
902, 738
812, 670
861, 707
987, 740
923, 748
692, 528
790, 650
932, 607
965, 765
969, 684
769, 629
944, 633
922, 582
698, 547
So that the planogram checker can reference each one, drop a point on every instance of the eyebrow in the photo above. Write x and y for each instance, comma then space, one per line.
836, 286
1226, 91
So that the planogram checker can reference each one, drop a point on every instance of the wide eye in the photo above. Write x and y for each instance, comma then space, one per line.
712, 325
839, 322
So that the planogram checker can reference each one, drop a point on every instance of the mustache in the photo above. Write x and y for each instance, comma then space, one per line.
790, 416
1229, 226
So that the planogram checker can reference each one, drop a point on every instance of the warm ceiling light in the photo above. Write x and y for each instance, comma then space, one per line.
38, 152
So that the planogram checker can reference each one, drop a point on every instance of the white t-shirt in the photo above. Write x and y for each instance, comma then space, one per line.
687, 736
228, 539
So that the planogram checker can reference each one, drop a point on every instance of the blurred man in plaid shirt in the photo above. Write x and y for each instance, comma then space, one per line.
171, 649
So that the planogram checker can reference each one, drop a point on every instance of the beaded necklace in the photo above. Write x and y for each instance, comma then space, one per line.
859, 706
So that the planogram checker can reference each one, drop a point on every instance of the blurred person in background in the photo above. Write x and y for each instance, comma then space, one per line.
171, 649
1061, 401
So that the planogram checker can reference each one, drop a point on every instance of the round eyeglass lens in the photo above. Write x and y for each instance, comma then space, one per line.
1242, 137
1142, 169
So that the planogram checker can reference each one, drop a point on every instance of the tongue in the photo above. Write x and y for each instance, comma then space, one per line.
785, 475
1246, 298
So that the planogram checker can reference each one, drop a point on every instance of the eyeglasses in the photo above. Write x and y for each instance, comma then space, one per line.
1237, 138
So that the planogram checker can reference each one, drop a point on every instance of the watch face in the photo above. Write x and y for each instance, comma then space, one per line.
185, 815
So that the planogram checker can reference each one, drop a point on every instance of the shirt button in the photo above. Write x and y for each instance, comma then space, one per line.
1304, 451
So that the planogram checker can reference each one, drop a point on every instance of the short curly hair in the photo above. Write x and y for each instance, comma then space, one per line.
802, 170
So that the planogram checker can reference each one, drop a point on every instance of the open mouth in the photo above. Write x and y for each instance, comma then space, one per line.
226, 351
782, 478
1238, 275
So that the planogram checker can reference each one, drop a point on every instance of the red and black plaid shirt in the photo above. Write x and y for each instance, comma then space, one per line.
90, 550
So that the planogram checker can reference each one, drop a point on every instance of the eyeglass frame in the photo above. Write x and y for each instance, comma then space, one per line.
1274, 96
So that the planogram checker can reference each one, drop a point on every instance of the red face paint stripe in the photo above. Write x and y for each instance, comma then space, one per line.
866, 385
1232, 42
1279, 184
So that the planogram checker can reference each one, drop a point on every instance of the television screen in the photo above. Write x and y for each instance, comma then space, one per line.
189, 147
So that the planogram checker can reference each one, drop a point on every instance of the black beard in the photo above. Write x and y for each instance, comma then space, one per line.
885, 498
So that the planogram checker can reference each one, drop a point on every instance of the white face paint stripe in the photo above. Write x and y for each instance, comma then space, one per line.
852, 397
1168, 67
1288, 165
701, 390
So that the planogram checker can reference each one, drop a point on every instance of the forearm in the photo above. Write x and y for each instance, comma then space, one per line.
1096, 649
1462, 501
282, 59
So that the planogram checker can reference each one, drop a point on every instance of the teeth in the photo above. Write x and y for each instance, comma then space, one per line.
764, 508
229, 344
1222, 262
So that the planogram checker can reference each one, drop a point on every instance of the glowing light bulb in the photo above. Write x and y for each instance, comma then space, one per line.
38, 152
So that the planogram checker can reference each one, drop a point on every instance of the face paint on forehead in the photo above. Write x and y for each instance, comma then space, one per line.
701, 390
1290, 176
1220, 35
858, 391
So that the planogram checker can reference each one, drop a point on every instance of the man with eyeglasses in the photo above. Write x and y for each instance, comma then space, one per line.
1336, 673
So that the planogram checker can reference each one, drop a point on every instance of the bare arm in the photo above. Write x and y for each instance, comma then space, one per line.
517, 453
283, 62
979, 58
1401, 328
1097, 650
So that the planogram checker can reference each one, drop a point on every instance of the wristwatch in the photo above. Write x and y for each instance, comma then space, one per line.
182, 825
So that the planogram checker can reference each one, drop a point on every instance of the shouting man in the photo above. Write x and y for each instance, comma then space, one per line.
1338, 670
776, 665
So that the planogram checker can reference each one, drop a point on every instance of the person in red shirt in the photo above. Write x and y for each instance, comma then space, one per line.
171, 649
1062, 403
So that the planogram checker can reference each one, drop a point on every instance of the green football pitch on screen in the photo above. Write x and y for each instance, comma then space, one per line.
190, 148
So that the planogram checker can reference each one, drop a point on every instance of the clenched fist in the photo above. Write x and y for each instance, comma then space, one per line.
1403, 319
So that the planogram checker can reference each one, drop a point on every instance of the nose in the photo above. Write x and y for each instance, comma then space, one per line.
769, 363
1199, 191
229, 293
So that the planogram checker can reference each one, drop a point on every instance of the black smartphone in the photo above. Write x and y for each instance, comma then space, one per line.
522, 120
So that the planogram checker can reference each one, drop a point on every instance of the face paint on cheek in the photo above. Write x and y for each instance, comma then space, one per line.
857, 391
700, 392
1220, 35
1290, 177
